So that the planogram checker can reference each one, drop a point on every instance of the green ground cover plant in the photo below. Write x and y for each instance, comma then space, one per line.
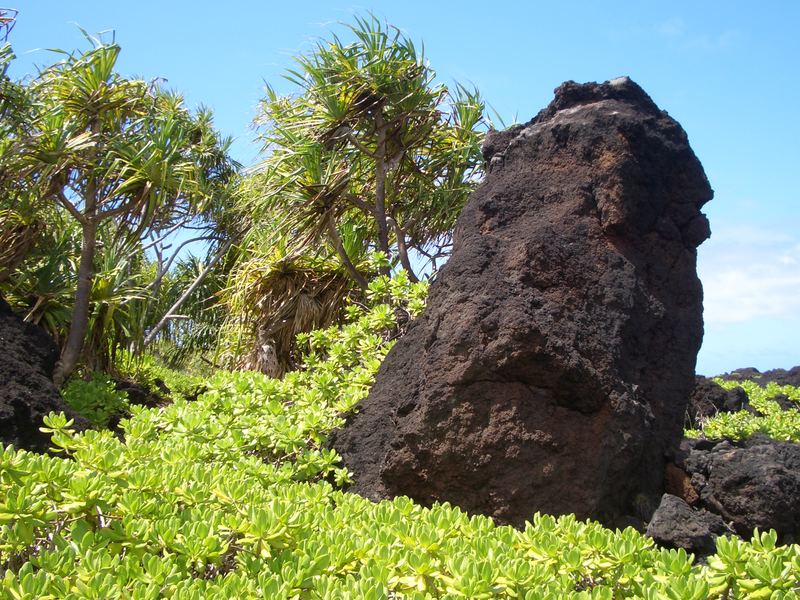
234, 495
770, 418
96, 398
149, 372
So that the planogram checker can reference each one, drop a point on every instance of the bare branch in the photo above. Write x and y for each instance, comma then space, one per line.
354, 140
71, 208
179, 302
164, 269
178, 225
402, 250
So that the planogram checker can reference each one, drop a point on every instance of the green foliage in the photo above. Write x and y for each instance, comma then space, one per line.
43, 287
771, 419
97, 398
370, 143
369, 154
120, 157
233, 496
147, 371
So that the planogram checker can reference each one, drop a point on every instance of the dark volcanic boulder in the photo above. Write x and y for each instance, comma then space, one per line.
676, 525
779, 376
552, 366
27, 393
754, 483
709, 398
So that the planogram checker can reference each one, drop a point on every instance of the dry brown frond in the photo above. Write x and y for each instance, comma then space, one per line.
282, 299
16, 239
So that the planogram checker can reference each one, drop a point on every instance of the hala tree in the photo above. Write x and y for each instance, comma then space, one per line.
274, 294
371, 140
19, 225
111, 150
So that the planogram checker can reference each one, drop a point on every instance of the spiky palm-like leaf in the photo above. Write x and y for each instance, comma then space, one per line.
274, 293
370, 137
106, 148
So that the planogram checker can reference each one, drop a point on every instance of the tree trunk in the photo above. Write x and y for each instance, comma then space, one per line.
80, 311
380, 189
402, 250
179, 302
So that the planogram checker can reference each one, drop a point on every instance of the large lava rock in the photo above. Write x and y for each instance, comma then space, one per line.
779, 376
676, 525
552, 366
753, 483
708, 399
27, 393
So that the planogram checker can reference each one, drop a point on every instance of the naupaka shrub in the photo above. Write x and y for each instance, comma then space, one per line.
769, 418
235, 496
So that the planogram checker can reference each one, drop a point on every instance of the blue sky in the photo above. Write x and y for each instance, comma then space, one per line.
727, 71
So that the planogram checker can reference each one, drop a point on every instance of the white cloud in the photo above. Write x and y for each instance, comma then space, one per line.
679, 34
750, 272
713, 42
673, 27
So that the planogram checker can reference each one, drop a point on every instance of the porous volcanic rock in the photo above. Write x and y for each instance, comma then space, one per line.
676, 525
27, 393
753, 483
551, 368
709, 399
779, 376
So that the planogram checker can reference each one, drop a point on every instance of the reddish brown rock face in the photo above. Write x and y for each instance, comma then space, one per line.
551, 369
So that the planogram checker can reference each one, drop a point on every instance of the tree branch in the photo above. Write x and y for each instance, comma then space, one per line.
354, 140
126, 206
359, 203
402, 250
380, 188
178, 225
168, 266
179, 302
71, 208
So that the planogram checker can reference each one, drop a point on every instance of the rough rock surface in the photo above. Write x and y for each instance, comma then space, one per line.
709, 398
779, 376
678, 483
143, 395
753, 483
552, 366
27, 393
785, 402
676, 525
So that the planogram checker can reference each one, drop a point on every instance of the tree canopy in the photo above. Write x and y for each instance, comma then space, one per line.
122, 157
369, 142
106, 179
